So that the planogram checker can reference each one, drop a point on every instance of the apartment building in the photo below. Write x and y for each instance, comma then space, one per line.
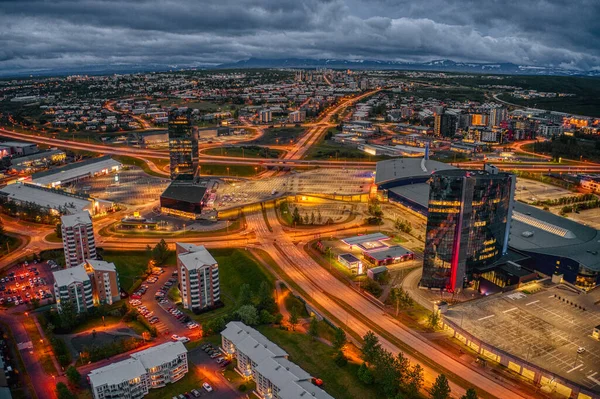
198, 276
78, 238
267, 364
73, 286
134, 377
93, 283
105, 281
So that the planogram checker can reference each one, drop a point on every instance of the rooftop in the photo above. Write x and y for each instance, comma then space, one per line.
74, 170
76, 219
390, 252
237, 332
69, 276
160, 354
356, 240
403, 168
185, 191
100, 265
197, 258
45, 198
116, 373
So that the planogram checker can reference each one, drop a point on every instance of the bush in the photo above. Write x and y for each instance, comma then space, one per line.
243, 388
340, 360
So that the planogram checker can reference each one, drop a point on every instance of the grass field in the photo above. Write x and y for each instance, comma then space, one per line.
327, 149
160, 163
317, 359
229, 170
236, 267
245, 152
9, 243
131, 265
280, 135
291, 301
41, 347
192, 380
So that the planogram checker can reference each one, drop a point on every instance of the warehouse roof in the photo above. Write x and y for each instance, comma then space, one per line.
52, 199
74, 171
389, 252
404, 168
185, 192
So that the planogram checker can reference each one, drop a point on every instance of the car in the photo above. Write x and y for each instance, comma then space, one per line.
220, 360
195, 393
183, 340
207, 387
580, 350
181, 396
225, 363
215, 355
175, 337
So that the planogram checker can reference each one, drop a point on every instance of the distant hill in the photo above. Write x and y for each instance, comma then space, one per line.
437, 65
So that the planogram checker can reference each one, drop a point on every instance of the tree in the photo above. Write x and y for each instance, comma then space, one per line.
364, 374
265, 298
312, 217
470, 394
266, 317
371, 347
313, 329
58, 230
215, 326
248, 315
440, 388
433, 320
160, 252
339, 339
339, 359
296, 218
294, 317
63, 392
402, 366
386, 372
73, 376
245, 295
415, 380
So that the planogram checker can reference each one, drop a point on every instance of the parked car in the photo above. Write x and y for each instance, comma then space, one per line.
207, 386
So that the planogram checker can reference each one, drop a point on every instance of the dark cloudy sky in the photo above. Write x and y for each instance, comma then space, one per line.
70, 33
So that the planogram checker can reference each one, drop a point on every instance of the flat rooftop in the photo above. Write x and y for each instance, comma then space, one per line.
185, 192
396, 251
45, 198
74, 171
356, 240
404, 168
537, 325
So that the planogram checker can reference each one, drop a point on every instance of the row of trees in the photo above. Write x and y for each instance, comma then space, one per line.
297, 219
582, 206
403, 225
30, 211
572, 199
375, 213
394, 375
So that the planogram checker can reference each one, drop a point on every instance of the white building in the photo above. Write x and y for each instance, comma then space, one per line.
198, 276
78, 238
134, 377
73, 285
266, 363
265, 116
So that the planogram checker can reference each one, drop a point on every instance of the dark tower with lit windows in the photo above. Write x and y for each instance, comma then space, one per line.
183, 144
468, 224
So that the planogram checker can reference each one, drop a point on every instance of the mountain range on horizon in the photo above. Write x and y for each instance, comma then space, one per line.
308, 63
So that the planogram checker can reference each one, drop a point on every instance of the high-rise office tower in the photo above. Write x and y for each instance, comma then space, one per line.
468, 224
444, 125
78, 238
183, 144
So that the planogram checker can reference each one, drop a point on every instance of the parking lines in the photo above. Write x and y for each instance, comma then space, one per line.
486, 317
575, 368
509, 310
531, 303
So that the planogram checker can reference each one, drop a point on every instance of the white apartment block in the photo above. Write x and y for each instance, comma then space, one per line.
134, 377
267, 364
198, 276
92, 283
265, 116
73, 285
78, 238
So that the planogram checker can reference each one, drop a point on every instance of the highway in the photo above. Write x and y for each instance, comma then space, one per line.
330, 293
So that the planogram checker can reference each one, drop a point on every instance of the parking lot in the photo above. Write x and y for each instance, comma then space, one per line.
134, 187
320, 181
548, 325
531, 190
25, 282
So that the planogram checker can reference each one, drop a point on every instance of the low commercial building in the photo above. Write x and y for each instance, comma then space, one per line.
184, 198
267, 364
56, 201
367, 242
76, 171
40, 160
351, 262
198, 277
389, 255
375, 272
17, 148
134, 377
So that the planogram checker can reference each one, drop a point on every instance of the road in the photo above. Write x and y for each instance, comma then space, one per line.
328, 292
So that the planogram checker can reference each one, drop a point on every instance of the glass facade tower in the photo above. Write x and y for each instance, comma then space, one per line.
468, 224
183, 144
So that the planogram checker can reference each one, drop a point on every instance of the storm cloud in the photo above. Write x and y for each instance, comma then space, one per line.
36, 34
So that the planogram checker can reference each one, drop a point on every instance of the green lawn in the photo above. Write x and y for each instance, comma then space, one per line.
192, 380
236, 267
9, 243
160, 163
229, 170
291, 301
42, 348
131, 265
52, 237
246, 152
280, 135
317, 359
326, 149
